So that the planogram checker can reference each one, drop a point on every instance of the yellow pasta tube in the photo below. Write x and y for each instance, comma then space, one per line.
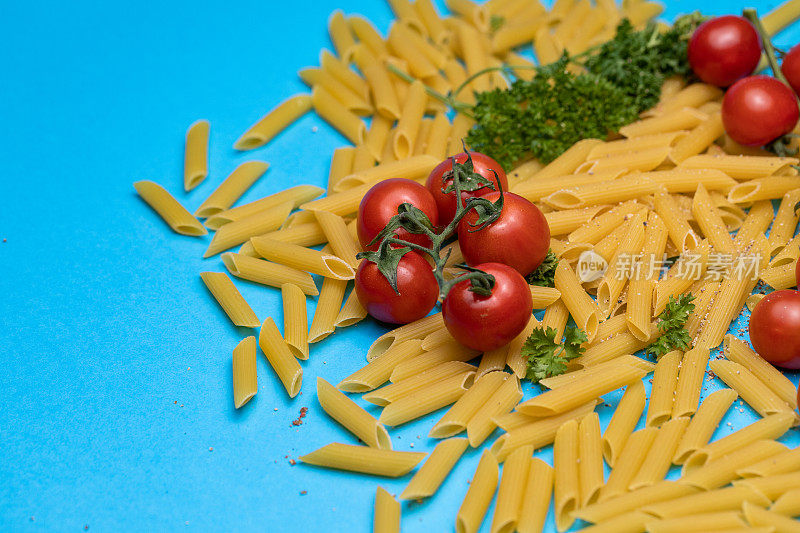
479, 495
295, 320
693, 95
605, 512
665, 380
413, 330
769, 188
781, 463
680, 233
387, 513
377, 372
168, 208
769, 427
267, 273
590, 464
698, 139
640, 287
383, 92
704, 423
344, 245
328, 305
475, 57
785, 223
438, 137
368, 36
536, 189
301, 258
758, 517
682, 119
629, 462
245, 380
604, 224
511, 490
293, 195
341, 36
602, 352
355, 419
538, 433
232, 188
749, 387
571, 375
635, 144
433, 472
710, 223
546, 46
377, 134
556, 316
409, 123
580, 305
515, 360
427, 379
280, 357
624, 420
567, 221
418, 63
364, 459
659, 457
565, 465
723, 470
537, 496
274, 122
304, 235
425, 401
456, 418
690, 382
787, 254
780, 17
346, 122
738, 351
347, 97
352, 312
771, 486
482, 423
434, 26
345, 75
492, 361
740, 167
239, 231
725, 499
614, 280
405, 12
413, 167
782, 277
788, 504
230, 299
436, 338
702, 522
451, 351
518, 32
195, 162
633, 521
460, 129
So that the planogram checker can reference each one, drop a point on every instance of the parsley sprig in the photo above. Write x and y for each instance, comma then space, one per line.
544, 275
546, 357
673, 336
543, 117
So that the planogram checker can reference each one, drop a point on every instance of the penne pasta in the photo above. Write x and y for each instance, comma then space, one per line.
230, 299
479, 495
659, 457
565, 466
590, 463
408, 125
697, 523
456, 418
623, 422
195, 161
781, 463
294, 195
704, 423
511, 490
749, 387
339, 237
580, 305
628, 464
662, 393
723, 470
280, 357
425, 401
245, 379
640, 286
451, 351
759, 517
352, 312
387, 513
412, 167
434, 471
725, 499
607, 511
690, 382
427, 379
355, 419
232, 188
770, 188
537, 496
377, 371
295, 320
785, 223
341, 36
239, 231
678, 120
740, 167
363, 459
302, 258
331, 111
347, 97
413, 330
680, 233
327, 309
168, 208
788, 504
267, 273
274, 122
699, 139
482, 422
771, 486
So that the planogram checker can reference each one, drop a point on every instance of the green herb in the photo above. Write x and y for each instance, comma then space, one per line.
544, 275
496, 22
546, 357
543, 117
670, 325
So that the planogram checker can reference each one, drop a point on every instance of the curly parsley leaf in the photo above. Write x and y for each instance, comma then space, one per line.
671, 324
544, 275
546, 357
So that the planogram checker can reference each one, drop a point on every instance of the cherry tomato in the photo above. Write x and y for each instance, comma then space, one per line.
381, 203
775, 328
791, 68
797, 273
482, 164
724, 49
417, 288
488, 322
759, 109
520, 238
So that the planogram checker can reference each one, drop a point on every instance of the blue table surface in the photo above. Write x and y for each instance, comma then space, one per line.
115, 374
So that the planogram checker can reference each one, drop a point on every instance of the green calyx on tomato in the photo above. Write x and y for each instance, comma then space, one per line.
387, 259
481, 284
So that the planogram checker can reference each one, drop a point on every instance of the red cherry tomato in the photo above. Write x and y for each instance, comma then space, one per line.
797, 273
791, 68
520, 238
417, 288
759, 109
724, 49
482, 164
775, 328
488, 322
381, 203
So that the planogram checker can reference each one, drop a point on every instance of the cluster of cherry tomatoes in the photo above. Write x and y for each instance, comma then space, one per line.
509, 248
756, 110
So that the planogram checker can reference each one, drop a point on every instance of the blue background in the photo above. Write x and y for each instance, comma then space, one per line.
115, 383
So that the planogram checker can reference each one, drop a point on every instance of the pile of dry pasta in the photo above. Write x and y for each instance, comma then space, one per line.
671, 184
